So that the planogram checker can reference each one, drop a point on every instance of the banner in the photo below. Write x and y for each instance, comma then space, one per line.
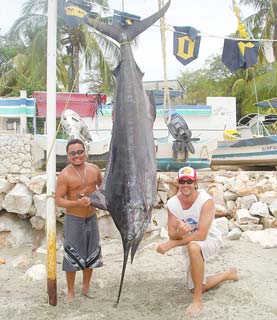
71, 13
240, 54
186, 44
124, 18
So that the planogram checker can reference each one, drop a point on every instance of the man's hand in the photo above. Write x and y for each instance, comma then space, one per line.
83, 202
183, 228
164, 247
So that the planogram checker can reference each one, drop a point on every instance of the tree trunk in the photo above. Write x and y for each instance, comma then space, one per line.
76, 66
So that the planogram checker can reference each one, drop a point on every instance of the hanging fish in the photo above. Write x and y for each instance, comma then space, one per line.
130, 184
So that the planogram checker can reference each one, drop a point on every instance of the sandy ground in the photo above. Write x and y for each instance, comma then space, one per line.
154, 286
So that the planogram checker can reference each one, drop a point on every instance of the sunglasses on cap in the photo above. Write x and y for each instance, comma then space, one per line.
73, 153
189, 181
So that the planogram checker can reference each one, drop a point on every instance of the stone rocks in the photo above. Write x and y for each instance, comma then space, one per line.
251, 200
36, 273
16, 154
222, 225
266, 238
37, 184
244, 202
22, 261
14, 232
5, 186
18, 200
244, 217
234, 234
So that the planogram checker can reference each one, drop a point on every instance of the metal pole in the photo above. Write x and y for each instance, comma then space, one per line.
51, 152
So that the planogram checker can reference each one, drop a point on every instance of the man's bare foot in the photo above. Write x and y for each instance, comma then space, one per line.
68, 298
194, 309
88, 293
232, 274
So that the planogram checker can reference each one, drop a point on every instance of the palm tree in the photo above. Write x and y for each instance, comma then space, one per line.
263, 23
72, 43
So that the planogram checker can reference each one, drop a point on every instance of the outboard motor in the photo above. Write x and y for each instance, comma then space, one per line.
179, 130
75, 127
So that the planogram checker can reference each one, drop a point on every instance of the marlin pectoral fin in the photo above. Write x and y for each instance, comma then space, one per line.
109, 30
97, 199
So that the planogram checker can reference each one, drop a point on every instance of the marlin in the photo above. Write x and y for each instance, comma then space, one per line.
130, 184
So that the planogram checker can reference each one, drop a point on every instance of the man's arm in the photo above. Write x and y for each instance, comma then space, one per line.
61, 191
205, 221
177, 228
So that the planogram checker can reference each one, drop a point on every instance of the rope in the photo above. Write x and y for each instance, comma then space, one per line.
126, 42
166, 89
207, 35
67, 102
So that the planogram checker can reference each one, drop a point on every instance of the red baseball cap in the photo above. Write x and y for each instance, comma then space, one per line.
187, 172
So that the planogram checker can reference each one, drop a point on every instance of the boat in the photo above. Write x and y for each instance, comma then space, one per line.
203, 126
249, 146
169, 156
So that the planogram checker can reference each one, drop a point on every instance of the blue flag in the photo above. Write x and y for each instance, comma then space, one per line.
240, 54
186, 44
72, 13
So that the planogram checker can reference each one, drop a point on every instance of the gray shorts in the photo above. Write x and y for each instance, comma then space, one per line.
81, 243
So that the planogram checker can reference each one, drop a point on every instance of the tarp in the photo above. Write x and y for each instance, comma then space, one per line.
267, 103
84, 104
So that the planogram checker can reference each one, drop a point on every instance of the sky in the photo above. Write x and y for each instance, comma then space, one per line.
215, 19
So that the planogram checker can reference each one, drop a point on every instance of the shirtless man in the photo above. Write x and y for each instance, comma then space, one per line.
191, 225
82, 250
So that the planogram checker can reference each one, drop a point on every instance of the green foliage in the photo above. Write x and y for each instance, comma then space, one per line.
248, 86
214, 80
23, 65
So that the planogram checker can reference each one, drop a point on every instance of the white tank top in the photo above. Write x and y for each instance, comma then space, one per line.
175, 207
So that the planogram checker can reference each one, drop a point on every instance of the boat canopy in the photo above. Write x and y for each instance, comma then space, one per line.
270, 103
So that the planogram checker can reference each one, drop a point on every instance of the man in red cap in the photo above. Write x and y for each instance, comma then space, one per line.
191, 225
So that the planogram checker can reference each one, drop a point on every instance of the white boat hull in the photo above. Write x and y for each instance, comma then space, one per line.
246, 152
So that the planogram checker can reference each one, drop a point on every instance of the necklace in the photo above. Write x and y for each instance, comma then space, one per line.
82, 177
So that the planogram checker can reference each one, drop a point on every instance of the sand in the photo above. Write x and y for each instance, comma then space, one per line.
154, 286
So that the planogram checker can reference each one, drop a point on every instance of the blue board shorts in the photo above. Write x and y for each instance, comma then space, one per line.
81, 243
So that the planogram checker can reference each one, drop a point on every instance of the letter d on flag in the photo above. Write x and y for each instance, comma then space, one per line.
186, 44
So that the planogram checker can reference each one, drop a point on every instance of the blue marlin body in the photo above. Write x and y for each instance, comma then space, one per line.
130, 179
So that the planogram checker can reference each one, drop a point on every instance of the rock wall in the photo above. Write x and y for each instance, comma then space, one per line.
245, 202
18, 154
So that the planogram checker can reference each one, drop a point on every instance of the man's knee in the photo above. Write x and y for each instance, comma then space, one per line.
193, 248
